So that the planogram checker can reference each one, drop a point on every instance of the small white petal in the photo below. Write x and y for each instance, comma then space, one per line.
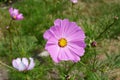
31, 65
25, 62
14, 63
21, 66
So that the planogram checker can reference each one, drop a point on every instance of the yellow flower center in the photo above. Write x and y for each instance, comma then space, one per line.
14, 17
62, 42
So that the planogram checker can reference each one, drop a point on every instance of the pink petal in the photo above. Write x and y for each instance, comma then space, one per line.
52, 41
19, 17
71, 29
11, 10
52, 32
31, 65
57, 22
64, 26
25, 62
47, 34
76, 35
61, 26
74, 1
78, 42
73, 54
53, 49
15, 11
65, 54
76, 49
56, 30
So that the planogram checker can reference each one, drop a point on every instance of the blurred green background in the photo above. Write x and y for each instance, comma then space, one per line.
92, 15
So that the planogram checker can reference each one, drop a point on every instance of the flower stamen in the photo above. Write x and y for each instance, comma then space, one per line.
62, 42
14, 17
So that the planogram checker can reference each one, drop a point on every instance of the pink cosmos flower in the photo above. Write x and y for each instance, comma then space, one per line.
23, 64
74, 1
14, 13
65, 41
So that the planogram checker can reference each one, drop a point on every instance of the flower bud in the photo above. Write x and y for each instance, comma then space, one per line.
94, 44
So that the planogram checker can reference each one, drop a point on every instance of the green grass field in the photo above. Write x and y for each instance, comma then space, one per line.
98, 63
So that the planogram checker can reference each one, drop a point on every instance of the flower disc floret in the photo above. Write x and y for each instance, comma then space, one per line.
62, 42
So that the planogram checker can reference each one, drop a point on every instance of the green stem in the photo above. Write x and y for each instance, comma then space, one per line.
70, 68
87, 67
45, 2
82, 63
17, 33
94, 59
108, 27
10, 34
72, 9
6, 65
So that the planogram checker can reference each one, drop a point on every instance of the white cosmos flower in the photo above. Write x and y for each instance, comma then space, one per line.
22, 64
